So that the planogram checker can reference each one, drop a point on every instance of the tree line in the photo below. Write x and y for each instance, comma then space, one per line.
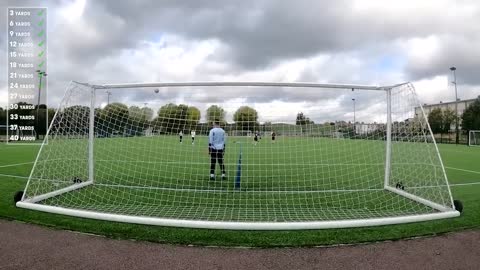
441, 120
171, 118
118, 118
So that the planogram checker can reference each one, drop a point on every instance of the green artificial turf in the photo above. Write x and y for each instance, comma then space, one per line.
265, 167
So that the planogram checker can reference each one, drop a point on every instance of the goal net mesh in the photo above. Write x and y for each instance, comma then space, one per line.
291, 154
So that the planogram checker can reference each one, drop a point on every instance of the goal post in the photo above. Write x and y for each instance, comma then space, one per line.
388, 138
131, 157
474, 138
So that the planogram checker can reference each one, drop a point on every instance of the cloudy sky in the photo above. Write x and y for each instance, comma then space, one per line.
374, 42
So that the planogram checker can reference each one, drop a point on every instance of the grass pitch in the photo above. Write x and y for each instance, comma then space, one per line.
461, 164
295, 179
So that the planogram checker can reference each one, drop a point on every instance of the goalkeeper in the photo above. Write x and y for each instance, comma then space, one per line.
216, 149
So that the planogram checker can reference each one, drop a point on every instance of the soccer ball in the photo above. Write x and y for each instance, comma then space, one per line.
156, 91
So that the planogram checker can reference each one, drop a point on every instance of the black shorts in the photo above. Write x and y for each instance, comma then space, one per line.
255, 139
273, 138
214, 153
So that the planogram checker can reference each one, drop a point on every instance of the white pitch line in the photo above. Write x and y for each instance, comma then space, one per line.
15, 176
463, 170
324, 191
249, 191
466, 184
261, 191
160, 163
16, 164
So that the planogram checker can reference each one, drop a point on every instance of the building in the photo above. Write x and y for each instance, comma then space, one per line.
462, 106
365, 129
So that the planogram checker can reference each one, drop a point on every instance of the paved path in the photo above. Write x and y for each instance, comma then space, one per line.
25, 246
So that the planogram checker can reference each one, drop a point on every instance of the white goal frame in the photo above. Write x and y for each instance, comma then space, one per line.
470, 137
443, 211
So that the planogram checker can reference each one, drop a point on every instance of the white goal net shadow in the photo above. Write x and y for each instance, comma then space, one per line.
295, 156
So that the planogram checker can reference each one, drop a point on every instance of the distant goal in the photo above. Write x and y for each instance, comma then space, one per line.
474, 138
140, 155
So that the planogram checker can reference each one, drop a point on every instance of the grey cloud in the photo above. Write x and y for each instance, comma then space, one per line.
461, 52
257, 36
259, 33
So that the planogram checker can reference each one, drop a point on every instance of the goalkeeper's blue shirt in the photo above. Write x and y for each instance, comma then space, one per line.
216, 138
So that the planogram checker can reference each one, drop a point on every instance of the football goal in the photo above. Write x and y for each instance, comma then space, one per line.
474, 138
292, 157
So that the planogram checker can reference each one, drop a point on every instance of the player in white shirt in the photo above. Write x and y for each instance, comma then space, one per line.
256, 137
180, 135
193, 133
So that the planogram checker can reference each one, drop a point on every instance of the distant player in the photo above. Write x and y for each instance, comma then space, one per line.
180, 134
193, 133
255, 138
216, 149
273, 136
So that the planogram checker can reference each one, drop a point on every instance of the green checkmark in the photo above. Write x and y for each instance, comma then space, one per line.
41, 54
41, 64
40, 13
41, 23
41, 43
41, 33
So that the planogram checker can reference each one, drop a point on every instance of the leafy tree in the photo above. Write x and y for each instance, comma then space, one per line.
167, 111
138, 120
181, 117
51, 114
165, 118
75, 119
171, 118
471, 116
435, 119
215, 114
193, 117
441, 120
246, 118
449, 117
115, 117
41, 123
45, 117
3, 116
99, 124
138, 113
302, 119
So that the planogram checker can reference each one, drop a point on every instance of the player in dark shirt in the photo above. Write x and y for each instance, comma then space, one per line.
255, 138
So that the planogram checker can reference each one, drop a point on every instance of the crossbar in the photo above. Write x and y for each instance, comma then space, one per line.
271, 84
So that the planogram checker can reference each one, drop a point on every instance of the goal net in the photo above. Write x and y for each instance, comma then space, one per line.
293, 157
474, 138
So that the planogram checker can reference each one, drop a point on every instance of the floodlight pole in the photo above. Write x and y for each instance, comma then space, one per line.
456, 104
108, 96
